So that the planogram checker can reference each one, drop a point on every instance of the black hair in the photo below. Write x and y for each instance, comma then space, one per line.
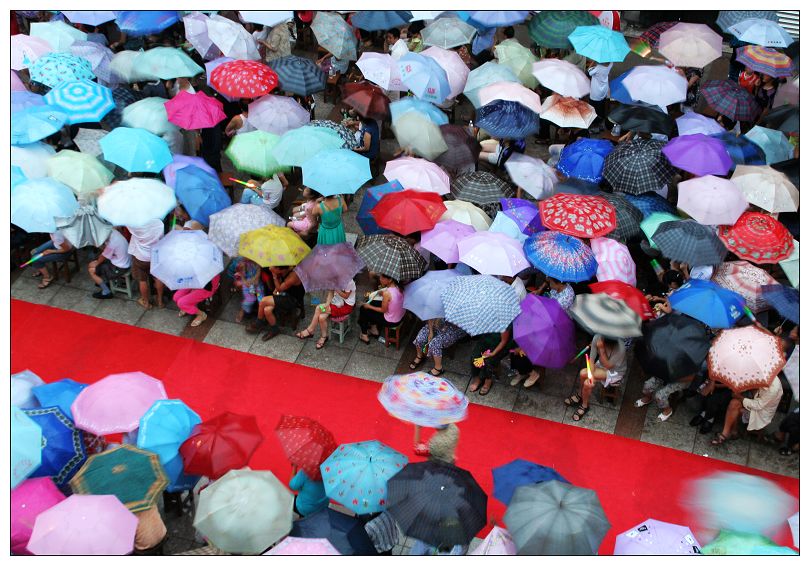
672, 276
483, 56
416, 27
509, 32
554, 280
315, 193
393, 31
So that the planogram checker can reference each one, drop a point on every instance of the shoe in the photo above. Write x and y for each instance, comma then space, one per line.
639, 403
664, 417
254, 327
512, 373
696, 420
515, 380
272, 333
532, 380
706, 427
102, 295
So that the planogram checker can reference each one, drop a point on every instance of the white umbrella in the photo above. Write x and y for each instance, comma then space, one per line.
232, 39
382, 70
122, 67
488, 73
418, 175
100, 58
532, 175
505, 225
417, 15
276, 114
448, 33
26, 49
690, 45
59, 34
266, 17
420, 134
196, 27
766, 188
655, 84
21, 385
135, 202
36, 203
510, 91
452, 63
32, 158
562, 77
466, 213
492, 253
186, 259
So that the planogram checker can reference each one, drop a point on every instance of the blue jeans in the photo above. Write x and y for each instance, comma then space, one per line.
50, 258
251, 197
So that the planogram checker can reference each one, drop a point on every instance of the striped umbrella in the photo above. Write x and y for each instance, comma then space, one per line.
560, 256
745, 358
463, 297
638, 166
757, 237
391, 255
551, 28
689, 242
298, 75
602, 314
628, 217
614, 261
731, 100
765, 60
83, 101
745, 279
481, 188
578, 215
55, 68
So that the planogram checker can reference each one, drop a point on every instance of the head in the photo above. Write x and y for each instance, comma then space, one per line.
314, 194
555, 284
609, 343
308, 193
766, 79
794, 334
443, 444
387, 281
509, 32
391, 36
415, 29
672, 279
181, 214
280, 269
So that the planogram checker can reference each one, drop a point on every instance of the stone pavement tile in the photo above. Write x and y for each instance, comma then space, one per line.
500, 396
459, 380
369, 366
81, 280
77, 300
598, 418
559, 382
25, 289
734, 451
670, 434
536, 404
377, 348
682, 413
282, 347
230, 335
119, 310
766, 457
164, 320
232, 307
329, 359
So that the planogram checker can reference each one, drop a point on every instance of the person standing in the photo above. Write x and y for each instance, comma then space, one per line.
276, 41
600, 87
111, 264
330, 211
311, 496
140, 248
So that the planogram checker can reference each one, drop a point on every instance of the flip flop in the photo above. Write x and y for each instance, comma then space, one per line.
199, 321
485, 389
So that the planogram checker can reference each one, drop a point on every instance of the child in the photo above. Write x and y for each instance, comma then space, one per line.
301, 219
248, 279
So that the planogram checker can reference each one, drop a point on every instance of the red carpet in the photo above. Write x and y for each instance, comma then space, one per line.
634, 480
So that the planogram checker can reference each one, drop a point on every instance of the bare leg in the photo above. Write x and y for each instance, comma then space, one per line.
732, 414
91, 269
588, 384
159, 286
268, 311
437, 362
323, 317
143, 287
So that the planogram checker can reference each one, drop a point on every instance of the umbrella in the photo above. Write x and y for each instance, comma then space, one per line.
673, 347
413, 104
488, 73
507, 119
599, 43
335, 35
185, 259
602, 314
690, 45
745, 279
554, 518
492, 253
448, 33
252, 152
136, 150
727, 18
298, 75
418, 174
627, 293
419, 134
531, 174
133, 475
345, 534
506, 225
149, 114
498, 18
698, 154
82, 101
745, 358
345, 133
245, 511
653, 33
26, 49
578, 215
195, 111
765, 60
567, 112
574, 186
790, 266
124, 97
22, 389
584, 159
381, 69
84, 525
466, 213
63, 449
17, 176
16, 84
711, 200
20, 100
180, 161
784, 118
297, 546
442, 240
81, 172
455, 68
26, 446
60, 393
784, 299
689, 242
706, 301
371, 198
329, 267
138, 23
294, 147
638, 166
463, 297
462, 152
510, 91
162, 429
628, 217
166, 63
374, 20
519, 472
438, 503
273, 246
497, 543
551, 28
226, 226
225, 442
391, 255
731, 100
525, 215
232, 38
562, 77
757, 237
85, 228
28, 500
737, 543
480, 188
518, 59
306, 443
367, 99
425, 77
336, 171
773, 143
760, 32
408, 211
195, 25
645, 119
694, 123
36, 123
36, 203
545, 333
656, 538
793, 521
243, 79
200, 193
267, 17
742, 150
122, 68
90, 18
423, 296
59, 35
135, 202
653, 221
116, 403
560, 256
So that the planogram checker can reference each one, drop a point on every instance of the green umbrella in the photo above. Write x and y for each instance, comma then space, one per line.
650, 224
791, 265
551, 28
166, 63
252, 153
518, 59
298, 145
413, 130
81, 172
133, 475
735, 543
149, 114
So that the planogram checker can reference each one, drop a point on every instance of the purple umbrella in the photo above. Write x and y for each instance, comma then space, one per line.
329, 267
698, 154
180, 161
544, 332
29, 499
442, 240
656, 538
525, 214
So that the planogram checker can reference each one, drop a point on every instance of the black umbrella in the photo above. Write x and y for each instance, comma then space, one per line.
785, 118
690, 242
673, 346
298, 75
345, 532
437, 503
638, 166
574, 186
642, 118
628, 217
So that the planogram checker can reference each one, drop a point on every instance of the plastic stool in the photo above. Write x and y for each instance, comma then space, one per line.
611, 393
123, 284
340, 325
392, 339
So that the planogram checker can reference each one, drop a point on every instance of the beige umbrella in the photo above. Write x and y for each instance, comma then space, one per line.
419, 134
766, 188
567, 112
746, 279
466, 213
745, 358
690, 45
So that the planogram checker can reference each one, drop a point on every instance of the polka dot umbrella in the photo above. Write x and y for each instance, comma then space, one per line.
306, 442
244, 79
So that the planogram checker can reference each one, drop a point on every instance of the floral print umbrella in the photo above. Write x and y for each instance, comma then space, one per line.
244, 79
55, 68
745, 358
423, 399
578, 215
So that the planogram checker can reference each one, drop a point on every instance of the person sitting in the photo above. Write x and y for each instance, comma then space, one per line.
488, 351
338, 303
188, 300
757, 411
435, 336
287, 296
561, 292
609, 366
267, 194
111, 264
56, 249
384, 310
311, 496
302, 218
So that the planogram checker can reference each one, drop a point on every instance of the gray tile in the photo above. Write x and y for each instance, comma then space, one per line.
231, 309
734, 451
598, 418
286, 348
25, 289
230, 335
369, 366
164, 320
766, 457
77, 300
681, 415
379, 349
500, 396
540, 405
670, 434
328, 358
119, 310
559, 382
459, 380
81, 280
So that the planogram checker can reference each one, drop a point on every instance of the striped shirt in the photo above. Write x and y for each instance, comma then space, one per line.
383, 532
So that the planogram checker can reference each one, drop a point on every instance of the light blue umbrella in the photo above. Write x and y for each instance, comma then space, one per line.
37, 202
58, 33
498, 18
22, 99
136, 150
336, 172
599, 43
162, 429
149, 114
728, 18
761, 32
135, 202
186, 259
26, 446
423, 297
506, 225
138, 23
374, 20
17, 176
488, 73
464, 295
36, 123
83, 101
413, 104
32, 158
296, 146
59, 393
89, 17
166, 63
773, 142
200, 193
424, 77
22, 386
55, 68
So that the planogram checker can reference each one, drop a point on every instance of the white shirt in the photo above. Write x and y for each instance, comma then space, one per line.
272, 191
519, 288
764, 404
143, 238
116, 250
599, 81
58, 238
701, 272
339, 301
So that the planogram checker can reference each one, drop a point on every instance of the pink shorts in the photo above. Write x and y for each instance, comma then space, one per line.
301, 226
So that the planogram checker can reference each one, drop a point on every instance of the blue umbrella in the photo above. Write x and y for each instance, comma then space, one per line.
200, 193
563, 257
63, 450
784, 299
298, 75
424, 77
370, 200
773, 143
178, 479
584, 159
648, 203
346, 533
618, 92
336, 172
59, 393
37, 202
137, 23
83, 101
741, 150
375, 20
507, 119
484, 39
498, 18
413, 104
711, 304
423, 296
574, 186
26, 446
55, 68
599, 43
136, 150
509, 477
22, 99
162, 429
17, 176
35, 123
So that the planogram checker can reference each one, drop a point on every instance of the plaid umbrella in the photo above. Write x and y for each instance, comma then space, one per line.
63, 450
642, 118
298, 75
463, 301
728, 18
784, 299
690, 242
480, 188
628, 217
673, 346
391, 255
560, 256
731, 100
551, 28
784, 118
345, 133
374, 20
602, 314
507, 119
638, 166
54, 68
653, 33
742, 150
745, 279
757, 237
462, 149
578, 215
745, 358
335, 35
766, 60
367, 98
306, 443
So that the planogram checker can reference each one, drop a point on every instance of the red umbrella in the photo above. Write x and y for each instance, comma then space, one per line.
221, 444
758, 237
194, 111
368, 99
243, 79
306, 443
578, 215
408, 211
621, 291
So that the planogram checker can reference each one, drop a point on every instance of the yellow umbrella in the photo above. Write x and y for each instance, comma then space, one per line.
273, 246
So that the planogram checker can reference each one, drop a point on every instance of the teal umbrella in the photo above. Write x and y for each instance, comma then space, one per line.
650, 224
83, 101
335, 35
17, 176
488, 73
35, 123
36, 203
166, 63
551, 28
26, 446
772, 142
149, 114
599, 43
731, 543
55, 68
81, 172
162, 429
336, 172
59, 34
136, 150
296, 146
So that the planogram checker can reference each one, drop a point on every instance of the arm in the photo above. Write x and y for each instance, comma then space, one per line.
366, 143
764, 398
501, 345
284, 182
233, 125
344, 294
383, 308
297, 481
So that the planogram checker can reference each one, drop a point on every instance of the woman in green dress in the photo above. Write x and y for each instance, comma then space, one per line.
330, 215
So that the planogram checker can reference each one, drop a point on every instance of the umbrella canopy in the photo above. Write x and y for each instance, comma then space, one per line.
578, 215
442, 240
757, 237
20, 100
413, 104
391, 255
122, 68
462, 152
85, 227
335, 35
706, 301
551, 28
81, 172
422, 399
466, 213
506, 225
773, 143
562, 77
507, 119
517, 473
329, 267
296, 146
628, 217
418, 174
26, 49
765, 60
525, 215
201, 193
512, 91
232, 38
492, 253
306, 443
497, 543
84, 525
745, 358
567, 112
273, 246
480, 187
645, 119
784, 118
59, 34
742, 150
425, 77
36, 203
532, 175
368, 99
135, 202
180, 161
374, 20
736, 543
518, 59
454, 67
22, 389
371, 198
790, 266
136, 150
689, 242
185, 259
138, 23
166, 63
17, 176
162, 429
599, 43
196, 32
243, 79
760, 32
408, 211
195, 111
497, 18
345, 133
298, 75
87, 140
336, 171
731, 100
245, 511
627, 293
784, 299
298, 546
345, 534
698, 154
267, 17
462, 299
60, 393
419, 134
116, 403
656, 538
252, 152
602, 314
149, 114
448, 33
26, 446
423, 296
225, 442
690, 45
28, 500
727, 18
488, 73
673, 347
560, 256
584, 159
545, 333
711, 200
36, 122
91, 18
553, 518
694, 123
614, 261
438, 503
638, 166
63, 449
382, 70
745, 279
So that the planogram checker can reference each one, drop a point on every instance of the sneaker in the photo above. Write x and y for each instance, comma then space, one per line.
706, 427
102, 295
516, 379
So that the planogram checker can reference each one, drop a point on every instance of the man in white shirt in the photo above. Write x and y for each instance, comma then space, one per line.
140, 247
600, 87
113, 262
395, 44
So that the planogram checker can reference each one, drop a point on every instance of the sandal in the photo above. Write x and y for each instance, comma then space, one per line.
416, 362
144, 304
580, 412
474, 387
785, 451
199, 319
45, 283
321, 343
436, 372
573, 400
485, 389
532, 380
720, 438
421, 449
303, 336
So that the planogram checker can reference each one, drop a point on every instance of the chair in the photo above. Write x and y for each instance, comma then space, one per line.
340, 325
123, 284
611, 393
392, 335
63, 265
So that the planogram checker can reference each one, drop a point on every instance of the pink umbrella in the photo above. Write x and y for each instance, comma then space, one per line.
418, 174
690, 45
614, 261
16, 83
382, 70
562, 77
179, 161
493, 253
745, 279
567, 112
26, 49
498, 543
296, 546
442, 240
277, 114
711, 200
456, 69
504, 90
84, 524
29, 499
116, 403
194, 111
